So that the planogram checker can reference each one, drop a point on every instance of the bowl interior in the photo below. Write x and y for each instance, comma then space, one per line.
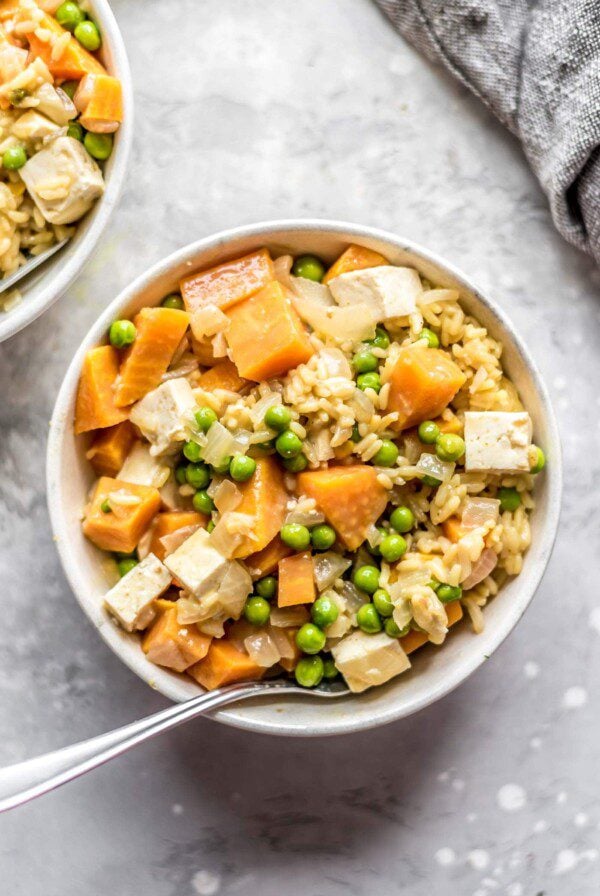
46, 284
434, 672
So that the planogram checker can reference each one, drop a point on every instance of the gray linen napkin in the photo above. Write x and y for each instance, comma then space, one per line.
537, 66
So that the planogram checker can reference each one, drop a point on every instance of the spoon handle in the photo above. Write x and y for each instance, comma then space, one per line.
23, 781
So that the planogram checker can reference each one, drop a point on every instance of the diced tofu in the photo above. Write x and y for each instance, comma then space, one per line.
63, 180
162, 414
141, 468
388, 290
32, 126
497, 441
55, 104
131, 599
367, 660
197, 565
228, 599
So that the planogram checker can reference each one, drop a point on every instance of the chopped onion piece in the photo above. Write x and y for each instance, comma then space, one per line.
354, 322
189, 610
241, 441
282, 267
219, 444
413, 447
174, 540
230, 530
402, 612
319, 293
429, 296
187, 364
208, 321
431, 465
481, 570
283, 643
305, 517
353, 597
373, 535
215, 626
318, 445
219, 346
328, 567
143, 548
226, 496
261, 648
335, 363
479, 511
271, 400
288, 617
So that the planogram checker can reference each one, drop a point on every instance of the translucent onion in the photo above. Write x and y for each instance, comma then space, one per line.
328, 567
143, 547
262, 649
174, 540
311, 291
482, 568
219, 445
282, 267
283, 643
335, 362
241, 441
413, 447
288, 617
235, 587
187, 364
227, 496
305, 517
353, 597
402, 614
189, 610
318, 445
431, 465
373, 535
353, 323
219, 345
479, 512
257, 413
208, 321
230, 531
215, 627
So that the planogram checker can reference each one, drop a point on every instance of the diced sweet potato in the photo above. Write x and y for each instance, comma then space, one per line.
453, 529
423, 382
452, 426
99, 99
263, 497
159, 332
413, 640
95, 407
296, 580
262, 563
223, 375
290, 663
171, 521
266, 337
224, 664
121, 529
229, 282
354, 258
73, 63
350, 497
110, 448
168, 643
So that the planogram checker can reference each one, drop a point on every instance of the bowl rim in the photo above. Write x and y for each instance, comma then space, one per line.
60, 422
61, 276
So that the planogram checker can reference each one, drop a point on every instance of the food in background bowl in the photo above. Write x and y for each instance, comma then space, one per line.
304, 471
59, 109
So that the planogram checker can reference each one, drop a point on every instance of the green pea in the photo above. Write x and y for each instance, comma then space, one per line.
402, 519
198, 475
123, 555
266, 587
392, 547
222, 467
356, 436
448, 593
278, 417
310, 639
430, 336
540, 461
449, 447
366, 578
88, 35
322, 537
174, 300
257, 610
125, 566
309, 671
99, 146
191, 450
180, 474
296, 464
368, 619
69, 15
210, 526
431, 481
365, 361
310, 267
105, 506
369, 381
392, 629
324, 611
205, 417
75, 131
387, 454
382, 602
18, 94
330, 670
295, 536
69, 87
241, 467
288, 444
428, 432
203, 502
510, 499
14, 158
122, 333
381, 340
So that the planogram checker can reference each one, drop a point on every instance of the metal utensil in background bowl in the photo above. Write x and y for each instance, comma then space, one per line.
47, 283
435, 672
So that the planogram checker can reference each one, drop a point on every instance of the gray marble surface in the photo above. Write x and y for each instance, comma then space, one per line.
256, 109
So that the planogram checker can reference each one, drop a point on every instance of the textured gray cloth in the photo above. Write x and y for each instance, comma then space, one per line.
537, 66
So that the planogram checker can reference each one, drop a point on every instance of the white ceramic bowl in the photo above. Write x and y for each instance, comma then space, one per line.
49, 282
435, 672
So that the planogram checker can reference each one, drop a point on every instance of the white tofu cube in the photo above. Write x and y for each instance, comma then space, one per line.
388, 290
197, 565
367, 660
131, 600
33, 126
497, 441
162, 414
141, 468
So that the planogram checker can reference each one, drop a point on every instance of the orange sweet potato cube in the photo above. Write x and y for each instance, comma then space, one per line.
423, 382
121, 528
354, 258
350, 497
229, 282
266, 337
73, 63
110, 448
224, 664
261, 563
95, 407
171, 521
168, 643
99, 99
264, 497
453, 529
223, 375
296, 580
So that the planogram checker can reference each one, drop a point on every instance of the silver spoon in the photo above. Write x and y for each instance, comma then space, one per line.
23, 781
29, 266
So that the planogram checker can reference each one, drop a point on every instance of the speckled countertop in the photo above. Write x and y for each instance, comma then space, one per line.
256, 109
